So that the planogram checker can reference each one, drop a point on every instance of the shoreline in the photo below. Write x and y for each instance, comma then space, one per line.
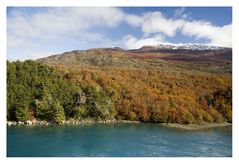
68, 122
196, 126
189, 127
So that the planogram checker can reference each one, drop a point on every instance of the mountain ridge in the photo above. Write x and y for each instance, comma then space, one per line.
96, 56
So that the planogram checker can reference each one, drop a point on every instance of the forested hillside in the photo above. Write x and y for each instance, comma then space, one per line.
38, 91
113, 83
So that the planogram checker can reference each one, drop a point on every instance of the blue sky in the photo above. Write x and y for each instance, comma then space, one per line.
35, 32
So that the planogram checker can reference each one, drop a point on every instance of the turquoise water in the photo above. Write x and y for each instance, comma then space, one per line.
117, 140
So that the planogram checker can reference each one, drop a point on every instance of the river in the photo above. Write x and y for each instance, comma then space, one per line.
117, 140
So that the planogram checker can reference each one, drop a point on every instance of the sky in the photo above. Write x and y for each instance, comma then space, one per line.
36, 32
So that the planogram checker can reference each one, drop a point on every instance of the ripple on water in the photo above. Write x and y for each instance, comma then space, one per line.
117, 140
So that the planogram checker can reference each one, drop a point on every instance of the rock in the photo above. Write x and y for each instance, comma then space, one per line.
9, 123
20, 123
28, 122
34, 121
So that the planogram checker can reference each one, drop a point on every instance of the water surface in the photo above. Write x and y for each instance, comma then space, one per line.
117, 140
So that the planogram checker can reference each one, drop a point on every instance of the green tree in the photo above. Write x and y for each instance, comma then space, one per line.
58, 112
22, 113
132, 116
79, 112
43, 105
98, 104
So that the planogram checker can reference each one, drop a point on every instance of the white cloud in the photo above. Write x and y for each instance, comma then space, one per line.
156, 23
36, 54
62, 26
56, 22
30, 54
13, 41
179, 12
131, 42
221, 36
133, 20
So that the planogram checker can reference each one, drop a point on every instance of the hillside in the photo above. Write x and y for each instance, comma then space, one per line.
151, 84
214, 61
110, 56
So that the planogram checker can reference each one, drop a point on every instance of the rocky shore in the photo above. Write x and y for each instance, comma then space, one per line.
196, 126
112, 121
69, 122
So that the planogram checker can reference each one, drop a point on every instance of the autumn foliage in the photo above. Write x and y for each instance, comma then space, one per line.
152, 90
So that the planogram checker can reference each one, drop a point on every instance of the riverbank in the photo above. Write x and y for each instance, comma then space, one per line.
196, 126
113, 121
68, 122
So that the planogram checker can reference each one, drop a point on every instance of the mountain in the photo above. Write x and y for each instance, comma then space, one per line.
151, 84
120, 57
191, 46
188, 52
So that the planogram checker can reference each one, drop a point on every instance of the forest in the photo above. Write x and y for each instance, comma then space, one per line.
148, 94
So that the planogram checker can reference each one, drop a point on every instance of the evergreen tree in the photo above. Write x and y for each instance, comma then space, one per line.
22, 113
58, 112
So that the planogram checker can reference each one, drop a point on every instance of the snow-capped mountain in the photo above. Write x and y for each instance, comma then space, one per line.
189, 46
